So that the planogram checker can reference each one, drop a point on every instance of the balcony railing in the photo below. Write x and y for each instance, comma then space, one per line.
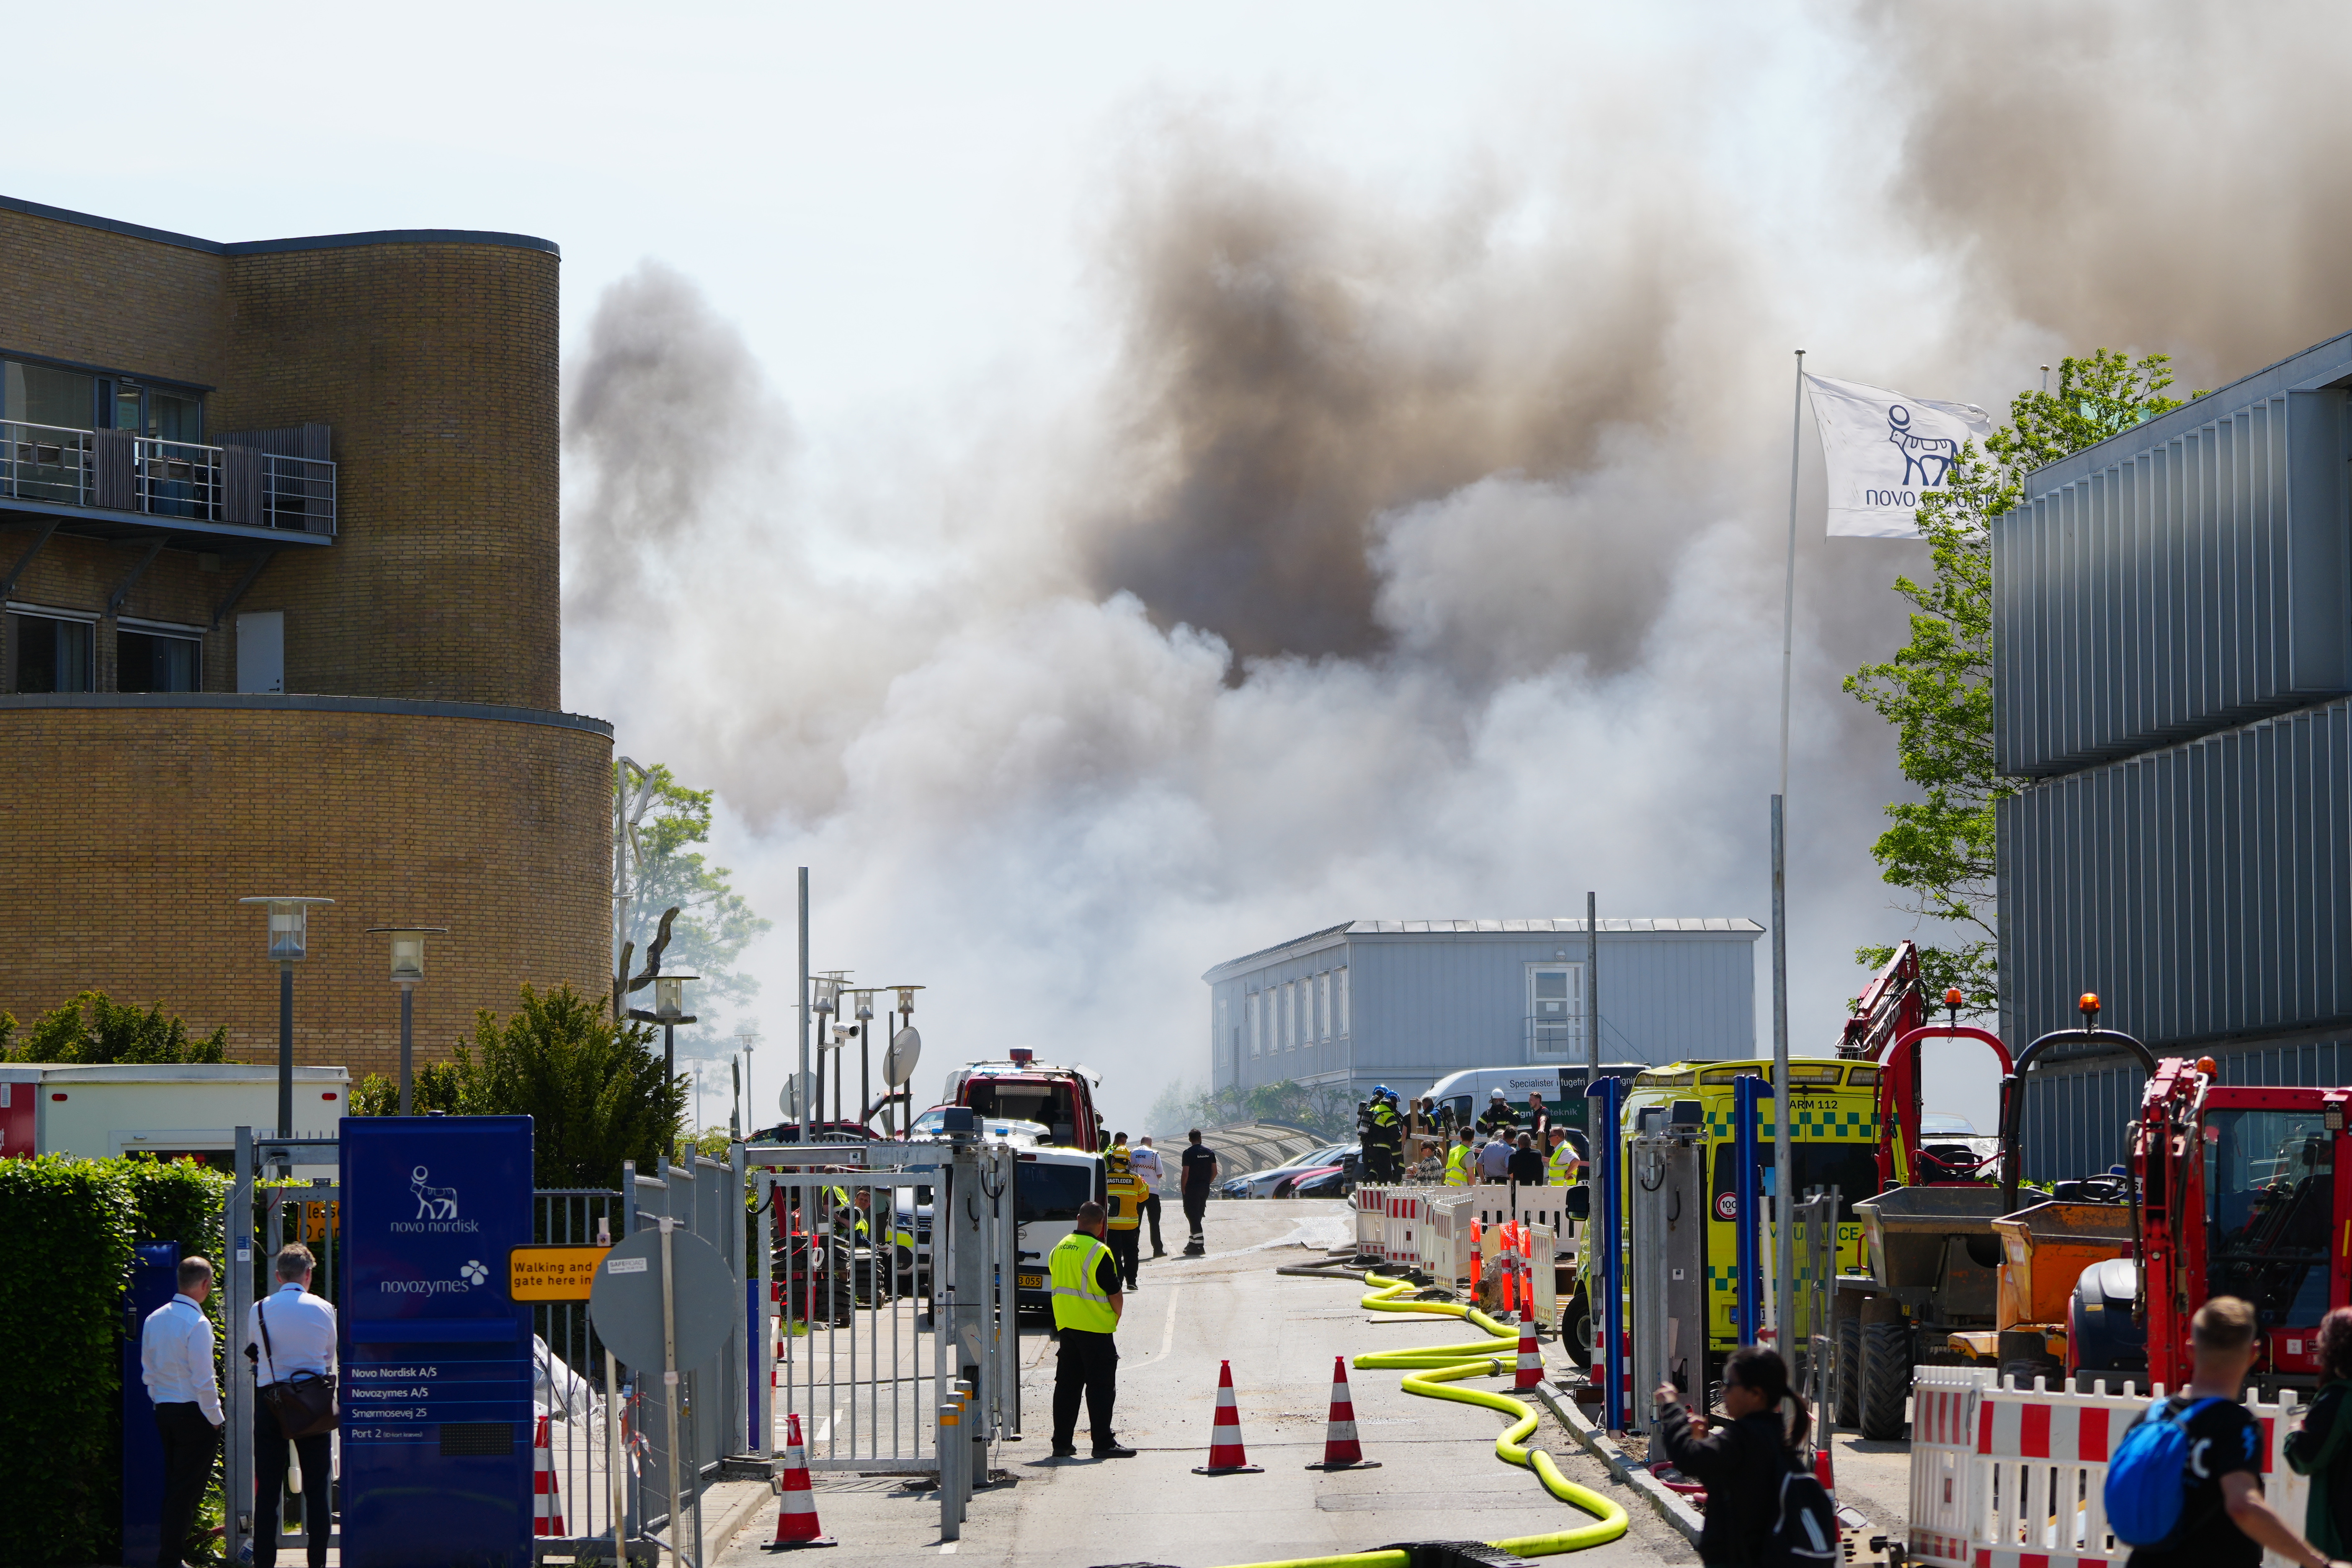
119, 471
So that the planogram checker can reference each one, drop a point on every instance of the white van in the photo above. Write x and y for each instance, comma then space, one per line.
1469, 1091
1048, 1186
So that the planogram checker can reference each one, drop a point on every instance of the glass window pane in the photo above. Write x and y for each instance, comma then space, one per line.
42, 395
150, 661
75, 645
174, 417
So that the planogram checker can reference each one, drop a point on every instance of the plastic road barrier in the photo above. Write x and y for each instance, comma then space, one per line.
2003, 1477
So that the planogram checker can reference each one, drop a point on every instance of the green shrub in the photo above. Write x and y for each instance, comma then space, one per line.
94, 1029
67, 1230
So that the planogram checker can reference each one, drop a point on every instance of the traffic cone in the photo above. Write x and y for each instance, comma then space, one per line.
1340, 1449
1531, 1367
1477, 1260
796, 1523
1225, 1456
547, 1493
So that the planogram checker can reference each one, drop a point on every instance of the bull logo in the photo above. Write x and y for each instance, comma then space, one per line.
1929, 458
431, 1203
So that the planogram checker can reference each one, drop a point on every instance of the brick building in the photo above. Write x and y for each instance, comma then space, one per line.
279, 528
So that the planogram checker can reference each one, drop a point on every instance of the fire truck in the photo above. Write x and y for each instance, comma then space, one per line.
1023, 1089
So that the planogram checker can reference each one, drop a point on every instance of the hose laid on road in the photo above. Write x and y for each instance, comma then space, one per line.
1429, 1368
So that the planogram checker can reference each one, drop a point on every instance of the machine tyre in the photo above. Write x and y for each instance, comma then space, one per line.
1849, 1373
1576, 1330
1885, 1380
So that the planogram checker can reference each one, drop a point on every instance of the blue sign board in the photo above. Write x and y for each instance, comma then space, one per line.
154, 1280
436, 1357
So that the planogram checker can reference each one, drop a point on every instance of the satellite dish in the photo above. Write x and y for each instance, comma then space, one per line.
789, 1101
898, 1061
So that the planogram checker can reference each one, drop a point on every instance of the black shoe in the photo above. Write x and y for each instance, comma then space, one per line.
1066, 1450
1114, 1452
1158, 1252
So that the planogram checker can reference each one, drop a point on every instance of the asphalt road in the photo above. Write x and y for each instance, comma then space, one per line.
1439, 1479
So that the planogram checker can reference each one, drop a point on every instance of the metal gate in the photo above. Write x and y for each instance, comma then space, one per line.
889, 1286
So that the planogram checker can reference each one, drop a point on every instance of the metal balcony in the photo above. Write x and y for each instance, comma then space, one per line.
120, 476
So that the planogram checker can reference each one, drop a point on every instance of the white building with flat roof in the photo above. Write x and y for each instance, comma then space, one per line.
1404, 1003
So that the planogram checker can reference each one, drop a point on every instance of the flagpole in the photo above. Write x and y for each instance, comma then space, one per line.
1783, 1256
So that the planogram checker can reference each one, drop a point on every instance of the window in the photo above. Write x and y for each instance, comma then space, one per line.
1343, 1000
1289, 1017
52, 655
1256, 1020
1555, 1009
157, 661
1323, 1005
39, 395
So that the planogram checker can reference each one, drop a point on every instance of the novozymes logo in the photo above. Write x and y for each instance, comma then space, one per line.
471, 1273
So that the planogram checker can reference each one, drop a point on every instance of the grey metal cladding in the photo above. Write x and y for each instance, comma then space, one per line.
2194, 582
2204, 890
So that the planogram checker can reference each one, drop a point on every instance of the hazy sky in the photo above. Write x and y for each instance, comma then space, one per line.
1135, 486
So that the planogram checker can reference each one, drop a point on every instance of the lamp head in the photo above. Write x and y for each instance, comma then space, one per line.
669, 997
407, 949
288, 926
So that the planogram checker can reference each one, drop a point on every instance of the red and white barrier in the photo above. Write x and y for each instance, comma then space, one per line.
2016, 1478
546, 1492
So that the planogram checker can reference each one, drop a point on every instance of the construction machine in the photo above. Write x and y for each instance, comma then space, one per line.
2240, 1193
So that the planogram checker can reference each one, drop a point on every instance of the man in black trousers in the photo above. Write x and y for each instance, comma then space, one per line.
176, 1362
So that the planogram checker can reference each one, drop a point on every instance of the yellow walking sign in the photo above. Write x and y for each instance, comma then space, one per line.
552, 1273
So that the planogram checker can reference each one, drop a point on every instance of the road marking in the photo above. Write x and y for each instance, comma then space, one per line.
826, 1430
1167, 1334
949, 1550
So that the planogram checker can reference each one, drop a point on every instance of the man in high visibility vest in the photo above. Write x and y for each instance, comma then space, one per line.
1127, 1192
1086, 1306
1457, 1160
1565, 1165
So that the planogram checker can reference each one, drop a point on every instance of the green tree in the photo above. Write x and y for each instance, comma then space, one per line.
94, 1029
715, 923
1326, 1112
1937, 688
594, 1089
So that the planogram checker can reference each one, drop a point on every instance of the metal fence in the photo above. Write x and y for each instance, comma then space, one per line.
121, 471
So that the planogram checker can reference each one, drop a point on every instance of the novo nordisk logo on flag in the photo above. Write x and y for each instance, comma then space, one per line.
1882, 451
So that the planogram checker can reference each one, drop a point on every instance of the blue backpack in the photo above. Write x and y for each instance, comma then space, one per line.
2146, 1475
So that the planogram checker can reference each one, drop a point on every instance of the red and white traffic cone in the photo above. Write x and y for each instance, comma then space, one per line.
547, 1493
1341, 1451
796, 1523
1531, 1366
1225, 1456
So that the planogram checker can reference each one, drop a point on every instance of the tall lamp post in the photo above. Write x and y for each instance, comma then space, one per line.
408, 973
865, 1033
288, 944
898, 1061
745, 1040
824, 1001
670, 1012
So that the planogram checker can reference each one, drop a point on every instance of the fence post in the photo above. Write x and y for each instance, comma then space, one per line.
237, 1263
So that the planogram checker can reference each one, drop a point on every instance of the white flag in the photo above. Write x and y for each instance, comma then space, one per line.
1882, 450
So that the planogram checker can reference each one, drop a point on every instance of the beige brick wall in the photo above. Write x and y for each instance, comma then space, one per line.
436, 362
127, 833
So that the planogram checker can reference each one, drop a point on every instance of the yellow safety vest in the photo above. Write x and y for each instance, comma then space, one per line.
1563, 1164
1457, 1167
1127, 1192
1078, 1302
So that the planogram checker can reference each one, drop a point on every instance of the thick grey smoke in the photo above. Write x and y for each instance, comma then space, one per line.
2160, 175
1419, 555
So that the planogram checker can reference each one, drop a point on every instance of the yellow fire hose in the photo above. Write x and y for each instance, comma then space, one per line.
1429, 1368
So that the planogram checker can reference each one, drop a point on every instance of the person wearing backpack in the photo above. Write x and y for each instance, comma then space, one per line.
2322, 1446
1748, 1464
2184, 1486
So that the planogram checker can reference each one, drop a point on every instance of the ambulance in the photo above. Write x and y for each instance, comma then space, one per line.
1834, 1105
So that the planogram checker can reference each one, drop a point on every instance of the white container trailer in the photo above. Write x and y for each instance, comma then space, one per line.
169, 1110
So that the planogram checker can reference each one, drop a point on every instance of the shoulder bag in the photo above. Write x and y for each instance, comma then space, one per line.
303, 1404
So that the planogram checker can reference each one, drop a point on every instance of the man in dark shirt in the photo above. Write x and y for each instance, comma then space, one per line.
1527, 1167
1197, 1178
2225, 1521
1498, 1117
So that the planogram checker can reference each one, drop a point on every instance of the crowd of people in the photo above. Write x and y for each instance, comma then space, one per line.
1427, 1141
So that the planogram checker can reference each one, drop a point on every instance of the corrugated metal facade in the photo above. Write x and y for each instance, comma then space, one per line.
1412, 1001
2173, 644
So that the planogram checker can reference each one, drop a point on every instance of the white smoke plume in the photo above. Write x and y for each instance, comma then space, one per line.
1410, 558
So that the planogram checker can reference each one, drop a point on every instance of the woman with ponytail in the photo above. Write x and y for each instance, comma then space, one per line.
1742, 1461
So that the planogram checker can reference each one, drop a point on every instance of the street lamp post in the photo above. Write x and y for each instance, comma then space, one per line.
746, 1039
865, 1057
407, 973
825, 1001
289, 943
670, 1012
895, 1072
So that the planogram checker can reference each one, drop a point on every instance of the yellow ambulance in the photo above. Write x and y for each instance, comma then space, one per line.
1835, 1104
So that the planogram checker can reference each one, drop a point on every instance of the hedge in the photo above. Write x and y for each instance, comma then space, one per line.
67, 1230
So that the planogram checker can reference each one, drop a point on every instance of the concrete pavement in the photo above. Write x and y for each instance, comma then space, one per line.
1439, 1479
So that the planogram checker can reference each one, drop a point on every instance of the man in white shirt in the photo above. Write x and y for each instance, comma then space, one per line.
289, 1332
1145, 1162
176, 1362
